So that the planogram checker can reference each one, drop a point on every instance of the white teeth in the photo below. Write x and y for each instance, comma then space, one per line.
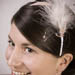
21, 73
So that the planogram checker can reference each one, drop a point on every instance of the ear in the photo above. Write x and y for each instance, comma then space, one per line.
63, 63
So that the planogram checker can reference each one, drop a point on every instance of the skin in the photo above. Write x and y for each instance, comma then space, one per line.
23, 56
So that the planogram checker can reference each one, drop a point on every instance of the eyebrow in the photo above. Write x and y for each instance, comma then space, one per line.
23, 44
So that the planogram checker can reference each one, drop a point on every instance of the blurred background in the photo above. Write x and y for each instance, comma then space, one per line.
7, 10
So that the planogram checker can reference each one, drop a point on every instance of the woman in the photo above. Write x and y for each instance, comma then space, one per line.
42, 39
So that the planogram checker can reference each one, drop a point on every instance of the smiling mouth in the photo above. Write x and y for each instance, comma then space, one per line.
21, 73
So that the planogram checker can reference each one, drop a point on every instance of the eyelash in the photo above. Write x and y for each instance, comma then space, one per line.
28, 50
11, 43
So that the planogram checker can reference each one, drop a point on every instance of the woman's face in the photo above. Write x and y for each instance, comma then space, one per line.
24, 57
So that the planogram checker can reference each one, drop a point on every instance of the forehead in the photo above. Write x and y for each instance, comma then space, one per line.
16, 35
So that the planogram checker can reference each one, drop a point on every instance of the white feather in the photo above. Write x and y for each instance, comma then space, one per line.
58, 14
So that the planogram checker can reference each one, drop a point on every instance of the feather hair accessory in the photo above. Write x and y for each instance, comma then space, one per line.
58, 14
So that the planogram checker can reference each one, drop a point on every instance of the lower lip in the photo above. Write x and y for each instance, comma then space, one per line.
12, 73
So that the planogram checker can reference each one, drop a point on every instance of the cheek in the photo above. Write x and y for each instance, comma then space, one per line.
40, 65
31, 62
8, 53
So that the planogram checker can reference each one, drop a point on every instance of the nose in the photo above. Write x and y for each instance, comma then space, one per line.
15, 60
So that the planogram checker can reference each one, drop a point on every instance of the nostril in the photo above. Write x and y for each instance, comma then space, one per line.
14, 63
15, 66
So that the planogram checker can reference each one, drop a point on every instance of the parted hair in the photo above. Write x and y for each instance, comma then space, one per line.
39, 28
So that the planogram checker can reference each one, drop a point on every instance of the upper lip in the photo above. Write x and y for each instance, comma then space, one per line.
20, 70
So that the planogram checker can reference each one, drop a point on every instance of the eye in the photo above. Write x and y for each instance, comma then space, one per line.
11, 43
28, 50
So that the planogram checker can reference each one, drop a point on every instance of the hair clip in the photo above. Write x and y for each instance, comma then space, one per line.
44, 37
